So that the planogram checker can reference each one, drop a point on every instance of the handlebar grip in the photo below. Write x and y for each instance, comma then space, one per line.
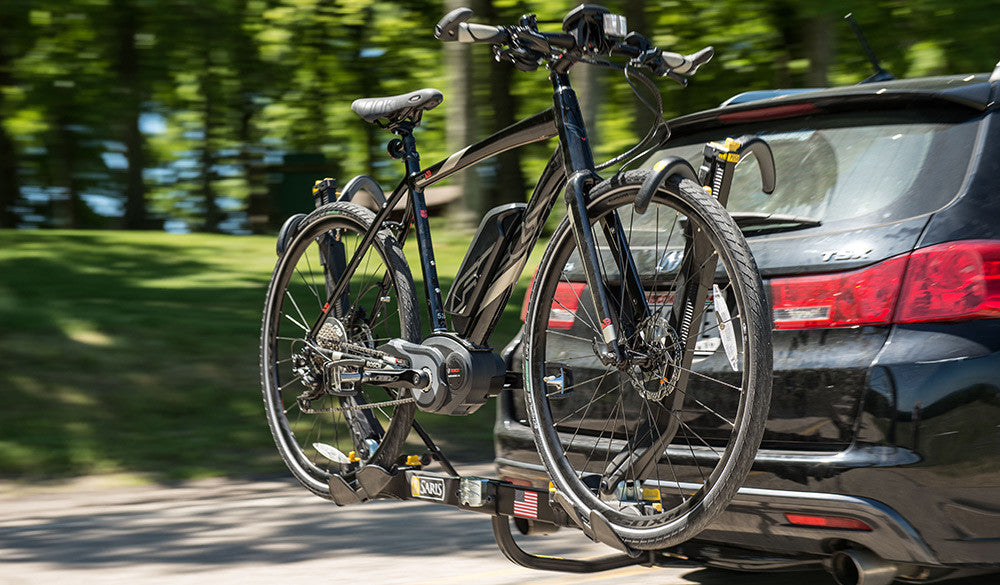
688, 64
482, 33
447, 28
453, 27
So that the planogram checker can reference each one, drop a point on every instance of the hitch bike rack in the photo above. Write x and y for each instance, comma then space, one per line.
502, 500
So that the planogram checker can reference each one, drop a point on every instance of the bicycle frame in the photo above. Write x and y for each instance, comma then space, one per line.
571, 166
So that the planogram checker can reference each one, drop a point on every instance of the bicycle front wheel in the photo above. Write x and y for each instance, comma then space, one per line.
322, 425
654, 444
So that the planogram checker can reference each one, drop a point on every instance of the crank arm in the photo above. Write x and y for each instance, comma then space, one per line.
387, 377
391, 378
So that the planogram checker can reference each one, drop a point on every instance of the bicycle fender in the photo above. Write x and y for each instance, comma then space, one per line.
662, 170
287, 232
368, 185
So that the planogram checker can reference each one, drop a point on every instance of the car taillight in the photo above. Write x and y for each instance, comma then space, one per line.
945, 282
845, 299
957, 280
565, 303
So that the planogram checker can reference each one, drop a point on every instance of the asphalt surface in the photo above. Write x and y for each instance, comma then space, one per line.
268, 532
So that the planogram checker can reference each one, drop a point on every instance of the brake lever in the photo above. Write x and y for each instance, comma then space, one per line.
531, 40
651, 57
669, 73
522, 59
655, 64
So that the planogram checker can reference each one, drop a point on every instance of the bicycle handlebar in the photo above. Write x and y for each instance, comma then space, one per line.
453, 27
687, 64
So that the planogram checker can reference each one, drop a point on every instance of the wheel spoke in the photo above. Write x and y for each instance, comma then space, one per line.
657, 414
315, 417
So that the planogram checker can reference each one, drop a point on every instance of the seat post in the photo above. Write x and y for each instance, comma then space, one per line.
411, 158
407, 149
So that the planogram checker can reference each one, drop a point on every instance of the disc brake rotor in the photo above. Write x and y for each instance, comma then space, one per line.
655, 375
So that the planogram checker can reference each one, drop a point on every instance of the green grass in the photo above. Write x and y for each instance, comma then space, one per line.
124, 352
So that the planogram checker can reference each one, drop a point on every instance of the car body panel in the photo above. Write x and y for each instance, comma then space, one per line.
896, 425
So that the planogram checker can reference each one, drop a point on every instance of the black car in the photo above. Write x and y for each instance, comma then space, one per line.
880, 249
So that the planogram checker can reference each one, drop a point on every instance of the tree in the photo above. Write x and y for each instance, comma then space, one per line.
13, 43
507, 185
66, 80
126, 17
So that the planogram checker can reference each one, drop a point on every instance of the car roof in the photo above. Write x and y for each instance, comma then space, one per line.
972, 91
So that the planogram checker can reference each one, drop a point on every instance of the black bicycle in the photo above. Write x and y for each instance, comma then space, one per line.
645, 280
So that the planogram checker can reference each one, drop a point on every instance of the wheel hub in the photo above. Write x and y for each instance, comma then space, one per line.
654, 368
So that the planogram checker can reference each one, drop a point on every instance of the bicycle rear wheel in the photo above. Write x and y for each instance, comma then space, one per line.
321, 426
653, 446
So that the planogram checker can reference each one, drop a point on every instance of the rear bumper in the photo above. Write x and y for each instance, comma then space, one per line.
755, 520
753, 533
923, 448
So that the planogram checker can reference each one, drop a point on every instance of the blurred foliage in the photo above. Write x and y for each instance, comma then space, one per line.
132, 113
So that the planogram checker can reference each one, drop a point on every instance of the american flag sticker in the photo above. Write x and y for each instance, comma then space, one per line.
525, 504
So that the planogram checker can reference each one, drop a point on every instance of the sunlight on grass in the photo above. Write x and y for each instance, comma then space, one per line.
137, 352
83, 332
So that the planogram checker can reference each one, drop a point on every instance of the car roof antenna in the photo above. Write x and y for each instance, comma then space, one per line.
880, 73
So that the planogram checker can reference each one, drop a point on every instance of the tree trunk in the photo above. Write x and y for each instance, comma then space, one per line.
212, 213
69, 212
10, 188
361, 69
508, 185
136, 214
460, 121
784, 20
819, 46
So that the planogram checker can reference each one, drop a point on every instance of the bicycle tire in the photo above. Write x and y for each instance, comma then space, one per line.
306, 420
584, 413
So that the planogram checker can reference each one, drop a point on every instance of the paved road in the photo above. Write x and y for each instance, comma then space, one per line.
272, 532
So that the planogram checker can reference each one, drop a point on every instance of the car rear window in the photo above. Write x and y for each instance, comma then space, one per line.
849, 170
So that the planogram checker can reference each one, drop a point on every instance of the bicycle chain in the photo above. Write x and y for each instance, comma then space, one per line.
331, 342
368, 406
360, 350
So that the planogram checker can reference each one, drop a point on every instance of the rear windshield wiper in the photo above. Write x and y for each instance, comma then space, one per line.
754, 223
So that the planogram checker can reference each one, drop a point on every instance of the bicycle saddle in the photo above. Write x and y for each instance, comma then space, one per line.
398, 107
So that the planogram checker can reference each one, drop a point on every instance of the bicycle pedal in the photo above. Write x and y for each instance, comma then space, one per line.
556, 385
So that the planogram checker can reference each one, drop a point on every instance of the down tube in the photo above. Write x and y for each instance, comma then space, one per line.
504, 278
